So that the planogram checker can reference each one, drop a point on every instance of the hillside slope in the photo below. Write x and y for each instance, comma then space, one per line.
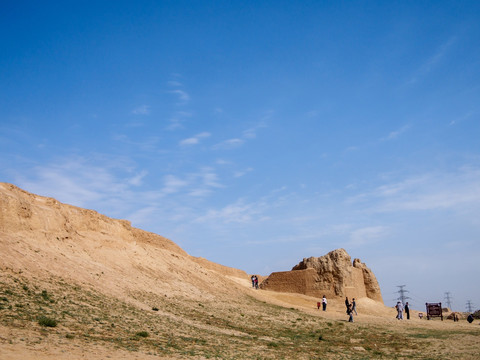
75, 284
44, 237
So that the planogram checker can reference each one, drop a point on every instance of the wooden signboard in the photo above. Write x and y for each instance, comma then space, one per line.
434, 310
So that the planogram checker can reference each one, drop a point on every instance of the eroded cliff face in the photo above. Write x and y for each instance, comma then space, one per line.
333, 275
42, 237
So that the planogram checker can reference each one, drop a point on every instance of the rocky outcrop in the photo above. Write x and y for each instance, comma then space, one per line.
333, 275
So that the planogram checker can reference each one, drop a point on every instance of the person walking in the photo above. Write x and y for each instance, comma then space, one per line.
399, 308
347, 303
407, 310
354, 306
350, 313
324, 303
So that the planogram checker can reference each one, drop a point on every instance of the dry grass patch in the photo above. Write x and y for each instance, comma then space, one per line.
241, 328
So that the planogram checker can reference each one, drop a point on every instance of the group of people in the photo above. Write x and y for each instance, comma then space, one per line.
400, 308
254, 281
351, 307
323, 303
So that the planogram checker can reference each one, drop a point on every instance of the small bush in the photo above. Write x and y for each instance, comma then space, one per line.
45, 295
154, 308
142, 334
46, 321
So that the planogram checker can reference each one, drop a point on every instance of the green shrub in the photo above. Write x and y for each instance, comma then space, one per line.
46, 321
142, 334
45, 295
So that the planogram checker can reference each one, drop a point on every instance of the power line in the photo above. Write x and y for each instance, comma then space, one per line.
448, 300
401, 291
469, 306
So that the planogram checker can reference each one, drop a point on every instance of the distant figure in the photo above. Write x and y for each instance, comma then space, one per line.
455, 317
407, 311
470, 318
399, 308
350, 313
253, 281
256, 282
318, 305
354, 306
324, 303
347, 304
420, 315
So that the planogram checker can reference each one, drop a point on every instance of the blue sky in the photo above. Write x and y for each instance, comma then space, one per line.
255, 134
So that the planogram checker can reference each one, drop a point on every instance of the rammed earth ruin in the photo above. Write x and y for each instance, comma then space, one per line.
333, 275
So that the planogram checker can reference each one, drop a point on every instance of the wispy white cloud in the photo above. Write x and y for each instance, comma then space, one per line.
432, 62
204, 182
173, 184
223, 162
177, 120
396, 133
229, 144
367, 235
252, 132
137, 180
76, 181
141, 110
183, 96
198, 184
241, 173
145, 144
175, 83
195, 139
351, 148
430, 191
460, 119
248, 134
238, 212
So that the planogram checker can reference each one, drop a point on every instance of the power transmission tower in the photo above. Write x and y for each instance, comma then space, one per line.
469, 306
401, 291
448, 300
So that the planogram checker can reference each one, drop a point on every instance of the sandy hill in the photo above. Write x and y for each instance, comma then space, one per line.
43, 237
75, 284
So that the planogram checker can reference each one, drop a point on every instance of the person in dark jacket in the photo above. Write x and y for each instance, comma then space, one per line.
350, 313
